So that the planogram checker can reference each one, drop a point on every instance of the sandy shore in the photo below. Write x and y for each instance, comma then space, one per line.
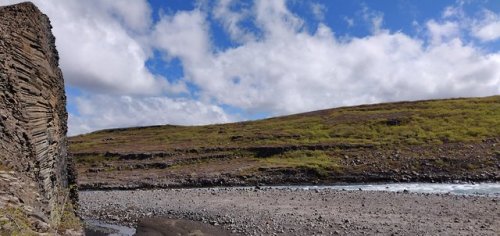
302, 212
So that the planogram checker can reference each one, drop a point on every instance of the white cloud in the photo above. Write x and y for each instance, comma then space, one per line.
308, 72
274, 18
103, 111
489, 32
374, 18
349, 21
296, 71
98, 45
488, 28
231, 20
377, 22
283, 69
454, 11
184, 35
442, 32
318, 10
103, 49
485, 27
136, 15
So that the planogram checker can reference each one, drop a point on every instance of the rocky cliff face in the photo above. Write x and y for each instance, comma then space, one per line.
34, 183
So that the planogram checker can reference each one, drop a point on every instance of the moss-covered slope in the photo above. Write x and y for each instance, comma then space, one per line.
423, 140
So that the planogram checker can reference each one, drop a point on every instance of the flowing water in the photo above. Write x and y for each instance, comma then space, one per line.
480, 189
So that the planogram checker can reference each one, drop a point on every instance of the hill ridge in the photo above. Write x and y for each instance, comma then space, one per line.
293, 114
430, 140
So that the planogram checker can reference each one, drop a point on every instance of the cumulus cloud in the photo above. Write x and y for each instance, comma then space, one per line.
317, 71
103, 47
104, 111
440, 32
279, 67
485, 26
99, 47
294, 70
374, 18
488, 28
275, 19
136, 15
184, 35
231, 20
489, 32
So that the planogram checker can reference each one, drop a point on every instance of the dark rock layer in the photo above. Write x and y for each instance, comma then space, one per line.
33, 156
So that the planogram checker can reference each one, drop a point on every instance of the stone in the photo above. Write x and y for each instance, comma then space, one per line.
33, 117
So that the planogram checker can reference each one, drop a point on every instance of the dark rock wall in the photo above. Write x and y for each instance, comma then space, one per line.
32, 112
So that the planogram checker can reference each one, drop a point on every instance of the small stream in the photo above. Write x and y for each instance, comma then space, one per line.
97, 228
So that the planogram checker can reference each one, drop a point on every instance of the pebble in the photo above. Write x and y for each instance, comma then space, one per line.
270, 211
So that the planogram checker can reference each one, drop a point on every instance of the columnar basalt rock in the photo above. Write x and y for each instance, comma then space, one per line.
33, 155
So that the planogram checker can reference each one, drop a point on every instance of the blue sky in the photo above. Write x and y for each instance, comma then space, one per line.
134, 63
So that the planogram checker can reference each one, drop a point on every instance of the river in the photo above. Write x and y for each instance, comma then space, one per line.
483, 189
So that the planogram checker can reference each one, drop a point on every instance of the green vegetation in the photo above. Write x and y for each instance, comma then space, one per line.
93, 159
66, 218
14, 221
302, 159
318, 161
404, 123
420, 141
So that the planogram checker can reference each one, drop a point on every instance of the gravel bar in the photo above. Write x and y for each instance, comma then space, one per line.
266, 211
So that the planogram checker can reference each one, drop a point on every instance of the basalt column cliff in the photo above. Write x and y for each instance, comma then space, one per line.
34, 182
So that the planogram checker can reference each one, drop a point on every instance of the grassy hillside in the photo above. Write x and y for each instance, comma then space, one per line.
318, 141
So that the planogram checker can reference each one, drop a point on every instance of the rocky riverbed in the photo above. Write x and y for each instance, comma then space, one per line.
263, 211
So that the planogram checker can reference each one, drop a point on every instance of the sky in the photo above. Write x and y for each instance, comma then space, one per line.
136, 62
